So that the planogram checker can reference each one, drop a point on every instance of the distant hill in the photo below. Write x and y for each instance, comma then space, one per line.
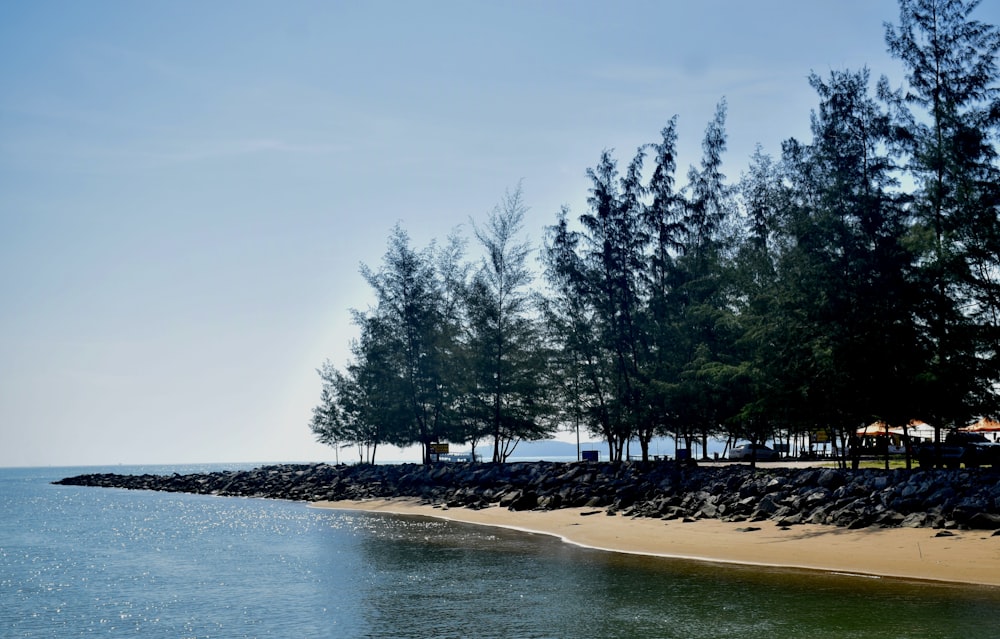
551, 449
544, 449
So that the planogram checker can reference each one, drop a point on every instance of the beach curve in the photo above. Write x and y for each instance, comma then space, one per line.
970, 557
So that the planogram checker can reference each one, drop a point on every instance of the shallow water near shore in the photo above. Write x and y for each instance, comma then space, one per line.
80, 562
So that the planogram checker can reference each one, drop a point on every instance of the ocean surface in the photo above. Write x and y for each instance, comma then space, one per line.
93, 562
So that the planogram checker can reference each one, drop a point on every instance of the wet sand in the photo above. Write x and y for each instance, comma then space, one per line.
967, 556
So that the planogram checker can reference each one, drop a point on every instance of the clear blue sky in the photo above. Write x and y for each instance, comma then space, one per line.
187, 188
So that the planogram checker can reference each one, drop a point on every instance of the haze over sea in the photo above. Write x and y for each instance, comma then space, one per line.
78, 562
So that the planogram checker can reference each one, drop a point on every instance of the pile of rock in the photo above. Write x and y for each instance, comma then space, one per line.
920, 498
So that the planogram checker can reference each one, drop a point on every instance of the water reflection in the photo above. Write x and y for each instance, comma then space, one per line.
437, 578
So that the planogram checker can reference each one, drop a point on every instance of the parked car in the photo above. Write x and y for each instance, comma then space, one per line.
971, 449
746, 452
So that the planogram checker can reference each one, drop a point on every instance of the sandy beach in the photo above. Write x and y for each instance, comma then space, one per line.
969, 557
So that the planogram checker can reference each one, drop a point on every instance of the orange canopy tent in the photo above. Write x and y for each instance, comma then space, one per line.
915, 428
983, 426
877, 429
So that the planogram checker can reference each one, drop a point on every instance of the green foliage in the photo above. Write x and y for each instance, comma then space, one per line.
637, 304
504, 397
948, 119
847, 327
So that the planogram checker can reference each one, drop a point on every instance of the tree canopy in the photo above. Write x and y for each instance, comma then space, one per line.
853, 278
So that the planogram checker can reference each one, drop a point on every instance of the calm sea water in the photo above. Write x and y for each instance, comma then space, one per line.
82, 562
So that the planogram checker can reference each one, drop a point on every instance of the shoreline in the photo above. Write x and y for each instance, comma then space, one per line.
968, 557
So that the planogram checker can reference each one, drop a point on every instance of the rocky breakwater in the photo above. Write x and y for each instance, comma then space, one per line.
920, 498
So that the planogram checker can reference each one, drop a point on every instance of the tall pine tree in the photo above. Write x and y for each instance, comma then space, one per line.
948, 119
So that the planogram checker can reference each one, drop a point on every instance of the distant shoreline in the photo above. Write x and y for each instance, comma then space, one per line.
966, 557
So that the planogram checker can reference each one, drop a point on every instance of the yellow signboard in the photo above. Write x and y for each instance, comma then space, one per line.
439, 449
